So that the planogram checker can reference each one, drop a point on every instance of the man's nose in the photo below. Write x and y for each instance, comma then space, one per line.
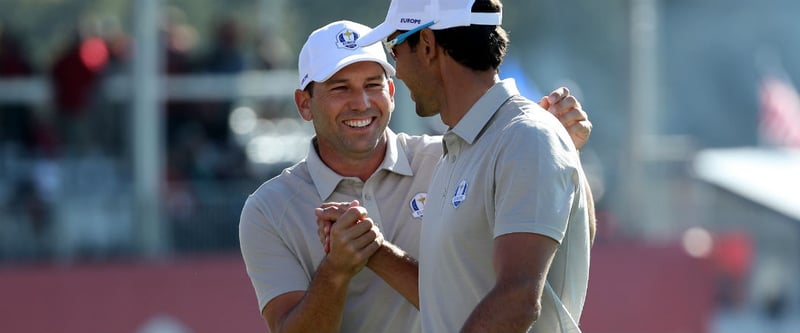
360, 100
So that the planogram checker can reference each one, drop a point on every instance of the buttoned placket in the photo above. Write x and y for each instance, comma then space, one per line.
452, 148
370, 202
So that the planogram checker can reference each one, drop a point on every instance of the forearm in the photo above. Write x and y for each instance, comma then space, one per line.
322, 306
398, 269
508, 307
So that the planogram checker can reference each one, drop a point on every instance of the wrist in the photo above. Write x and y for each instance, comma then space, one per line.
329, 271
376, 257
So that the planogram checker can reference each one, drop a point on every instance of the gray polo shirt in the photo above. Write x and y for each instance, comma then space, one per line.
509, 166
278, 231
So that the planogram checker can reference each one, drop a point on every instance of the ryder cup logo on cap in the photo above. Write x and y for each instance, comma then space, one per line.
410, 14
334, 46
346, 39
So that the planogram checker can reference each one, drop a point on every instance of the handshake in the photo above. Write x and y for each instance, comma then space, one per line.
349, 237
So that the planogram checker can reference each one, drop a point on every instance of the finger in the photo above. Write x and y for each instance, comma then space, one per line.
370, 249
579, 133
379, 235
331, 209
323, 213
375, 230
372, 235
354, 213
349, 244
582, 128
358, 235
565, 105
347, 229
323, 232
558, 94
327, 244
360, 228
341, 205
572, 116
364, 240
334, 204
322, 221
321, 225
330, 213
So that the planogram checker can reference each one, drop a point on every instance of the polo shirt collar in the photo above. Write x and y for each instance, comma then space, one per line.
479, 114
326, 180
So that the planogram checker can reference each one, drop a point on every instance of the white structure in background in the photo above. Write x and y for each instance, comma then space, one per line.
758, 190
769, 177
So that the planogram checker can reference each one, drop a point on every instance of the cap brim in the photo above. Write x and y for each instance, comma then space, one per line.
354, 59
373, 36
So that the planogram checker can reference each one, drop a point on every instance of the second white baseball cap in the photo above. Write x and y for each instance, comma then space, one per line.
410, 14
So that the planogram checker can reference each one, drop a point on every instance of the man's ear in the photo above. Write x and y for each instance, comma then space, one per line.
427, 44
303, 101
391, 88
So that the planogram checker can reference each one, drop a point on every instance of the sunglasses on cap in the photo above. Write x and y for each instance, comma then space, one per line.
389, 45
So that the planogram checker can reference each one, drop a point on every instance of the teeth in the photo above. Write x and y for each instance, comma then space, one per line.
358, 123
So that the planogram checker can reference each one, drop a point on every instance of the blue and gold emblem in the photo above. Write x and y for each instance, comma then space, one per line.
461, 193
346, 39
418, 205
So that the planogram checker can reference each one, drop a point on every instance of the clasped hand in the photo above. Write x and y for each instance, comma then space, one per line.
349, 237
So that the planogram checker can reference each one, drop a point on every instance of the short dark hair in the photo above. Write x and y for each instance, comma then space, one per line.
479, 47
310, 89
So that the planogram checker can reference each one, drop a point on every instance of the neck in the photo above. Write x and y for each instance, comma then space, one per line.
361, 165
463, 87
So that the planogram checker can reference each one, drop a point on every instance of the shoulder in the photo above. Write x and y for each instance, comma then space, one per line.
524, 128
275, 194
420, 144
524, 117
521, 109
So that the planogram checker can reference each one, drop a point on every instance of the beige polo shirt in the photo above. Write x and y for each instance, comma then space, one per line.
278, 231
509, 166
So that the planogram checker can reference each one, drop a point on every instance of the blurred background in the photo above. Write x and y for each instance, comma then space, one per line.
131, 132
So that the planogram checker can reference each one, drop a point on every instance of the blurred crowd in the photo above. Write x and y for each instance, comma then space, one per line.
81, 122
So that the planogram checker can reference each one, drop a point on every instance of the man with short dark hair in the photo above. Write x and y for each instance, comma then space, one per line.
508, 217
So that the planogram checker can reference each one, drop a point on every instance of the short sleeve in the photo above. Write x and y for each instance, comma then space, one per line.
536, 179
271, 265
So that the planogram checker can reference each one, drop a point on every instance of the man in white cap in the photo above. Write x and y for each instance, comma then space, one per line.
347, 93
507, 228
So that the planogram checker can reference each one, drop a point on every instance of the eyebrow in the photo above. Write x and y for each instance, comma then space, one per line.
377, 77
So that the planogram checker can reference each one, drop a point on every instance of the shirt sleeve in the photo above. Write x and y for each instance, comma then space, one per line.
536, 178
271, 265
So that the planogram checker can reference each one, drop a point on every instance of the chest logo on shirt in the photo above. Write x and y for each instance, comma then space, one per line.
461, 193
418, 205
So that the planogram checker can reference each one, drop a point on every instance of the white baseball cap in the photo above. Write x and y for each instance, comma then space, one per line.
410, 14
332, 47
